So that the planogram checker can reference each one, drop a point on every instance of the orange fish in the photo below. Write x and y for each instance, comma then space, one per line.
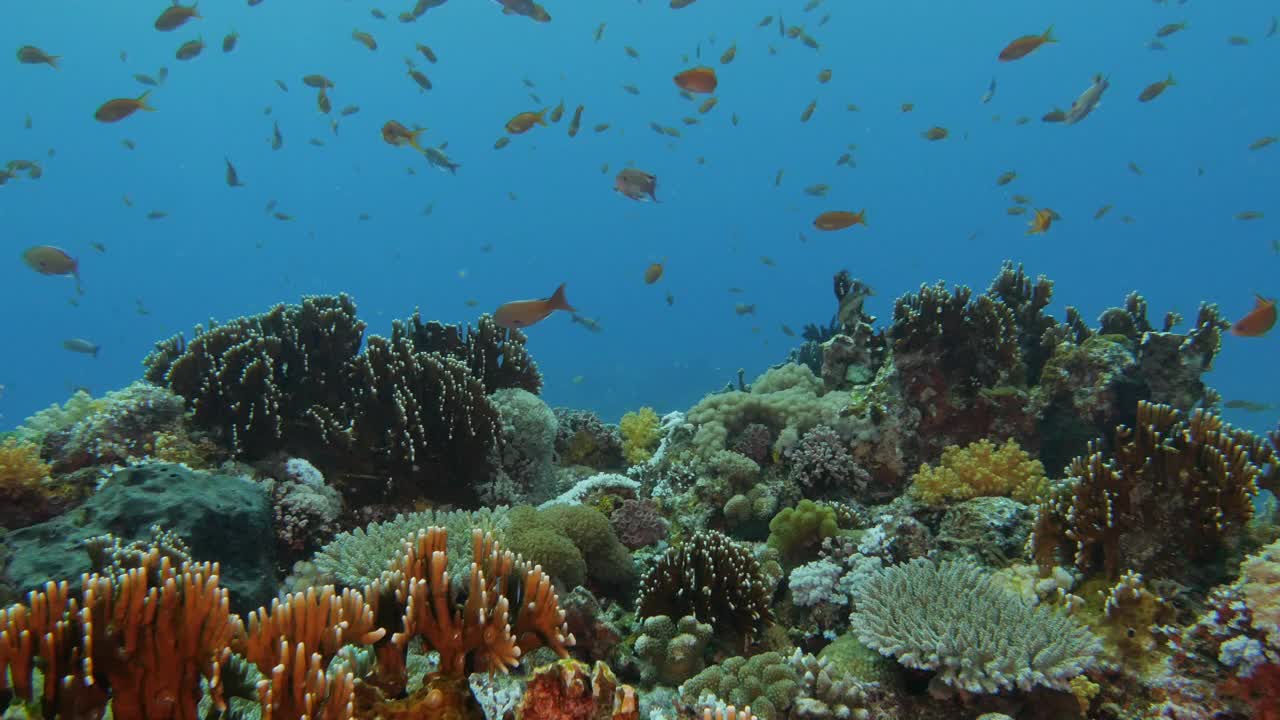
523, 313
1258, 321
1025, 45
524, 121
49, 260
636, 184
121, 108
1041, 222
653, 273
396, 134
701, 79
840, 219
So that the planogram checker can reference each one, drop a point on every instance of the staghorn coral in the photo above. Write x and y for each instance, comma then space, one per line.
1173, 496
712, 578
981, 470
978, 636
639, 435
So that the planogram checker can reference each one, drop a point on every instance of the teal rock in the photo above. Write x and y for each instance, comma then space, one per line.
990, 530
223, 519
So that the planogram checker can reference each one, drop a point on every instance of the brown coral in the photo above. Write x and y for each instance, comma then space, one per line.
1167, 502
712, 578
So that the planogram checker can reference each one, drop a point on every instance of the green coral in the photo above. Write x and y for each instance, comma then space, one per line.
639, 435
672, 650
359, 557
796, 533
977, 635
849, 655
766, 682
573, 543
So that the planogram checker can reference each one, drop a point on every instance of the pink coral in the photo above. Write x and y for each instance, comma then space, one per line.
821, 464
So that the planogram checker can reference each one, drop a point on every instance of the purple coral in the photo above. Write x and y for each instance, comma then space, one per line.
821, 464
755, 441
638, 523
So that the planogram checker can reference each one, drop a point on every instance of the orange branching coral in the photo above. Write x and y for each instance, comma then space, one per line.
1175, 493
293, 644
981, 470
481, 630
566, 691
143, 639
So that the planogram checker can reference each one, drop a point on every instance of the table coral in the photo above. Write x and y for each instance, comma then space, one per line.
976, 635
981, 470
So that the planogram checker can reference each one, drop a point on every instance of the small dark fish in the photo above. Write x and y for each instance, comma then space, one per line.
157, 215
990, 93
233, 178
190, 49
282, 217
229, 42
80, 345
146, 79
1248, 405
350, 110
277, 139
280, 84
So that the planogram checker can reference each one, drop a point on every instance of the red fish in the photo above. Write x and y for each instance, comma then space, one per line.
49, 260
523, 313
1258, 321
701, 79
1025, 45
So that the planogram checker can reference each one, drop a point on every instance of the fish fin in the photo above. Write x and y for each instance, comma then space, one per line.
861, 216
557, 300
1048, 36
542, 120
142, 102
1170, 81
195, 11
52, 61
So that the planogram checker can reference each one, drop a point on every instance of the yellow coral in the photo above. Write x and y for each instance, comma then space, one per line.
981, 470
20, 465
639, 435
1085, 691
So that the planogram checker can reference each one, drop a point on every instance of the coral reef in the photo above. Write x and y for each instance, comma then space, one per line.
566, 691
582, 438
639, 435
1170, 501
575, 543
977, 636
639, 523
525, 452
26, 492
713, 579
673, 650
408, 416
981, 470
823, 467
797, 533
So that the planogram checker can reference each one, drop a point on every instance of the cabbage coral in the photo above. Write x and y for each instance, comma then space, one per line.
981, 470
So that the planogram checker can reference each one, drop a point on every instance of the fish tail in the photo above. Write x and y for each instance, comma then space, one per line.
79, 288
542, 120
1048, 36
195, 11
861, 216
142, 102
52, 60
1170, 80
558, 301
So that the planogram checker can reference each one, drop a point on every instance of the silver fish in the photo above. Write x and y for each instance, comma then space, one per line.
80, 345
438, 159
990, 93
1088, 100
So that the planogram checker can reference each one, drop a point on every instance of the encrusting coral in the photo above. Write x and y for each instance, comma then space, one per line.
978, 636
981, 470
1171, 498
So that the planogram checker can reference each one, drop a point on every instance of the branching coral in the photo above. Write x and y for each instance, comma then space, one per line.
1167, 502
978, 636
822, 465
712, 578
142, 639
981, 470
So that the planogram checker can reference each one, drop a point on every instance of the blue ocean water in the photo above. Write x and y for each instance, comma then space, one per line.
543, 203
